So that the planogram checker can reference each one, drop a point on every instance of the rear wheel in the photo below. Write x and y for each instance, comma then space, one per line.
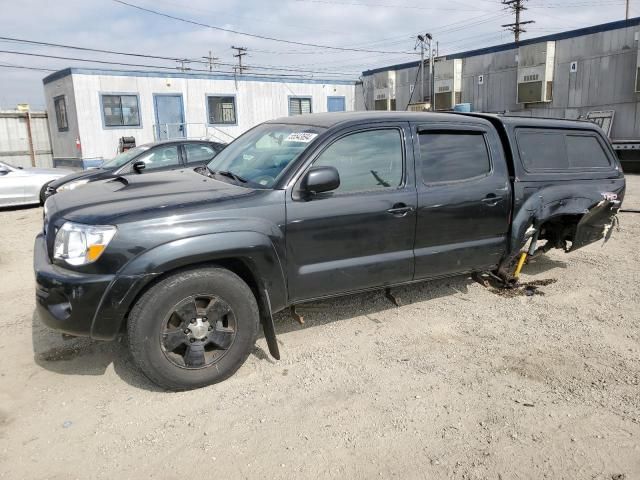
193, 328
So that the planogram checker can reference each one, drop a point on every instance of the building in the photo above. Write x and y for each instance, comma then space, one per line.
590, 73
90, 110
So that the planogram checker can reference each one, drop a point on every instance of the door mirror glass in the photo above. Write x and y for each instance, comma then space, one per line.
320, 179
139, 166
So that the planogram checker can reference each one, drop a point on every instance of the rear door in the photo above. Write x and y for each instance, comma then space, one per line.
361, 235
464, 197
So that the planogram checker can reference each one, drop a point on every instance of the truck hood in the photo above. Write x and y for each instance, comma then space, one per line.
106, 201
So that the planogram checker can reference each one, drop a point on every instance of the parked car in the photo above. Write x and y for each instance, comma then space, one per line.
189, 265
150, 157
26, 186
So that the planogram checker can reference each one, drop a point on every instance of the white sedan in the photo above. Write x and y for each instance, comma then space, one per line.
25, 186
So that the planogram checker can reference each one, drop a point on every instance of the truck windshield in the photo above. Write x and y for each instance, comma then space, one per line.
124, 157
261, 154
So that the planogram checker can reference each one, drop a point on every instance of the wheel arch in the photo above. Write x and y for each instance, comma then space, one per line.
255, 261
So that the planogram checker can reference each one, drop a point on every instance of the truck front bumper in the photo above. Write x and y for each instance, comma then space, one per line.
83, 304
66, 300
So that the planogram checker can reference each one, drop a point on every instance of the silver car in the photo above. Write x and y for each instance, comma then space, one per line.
25, 186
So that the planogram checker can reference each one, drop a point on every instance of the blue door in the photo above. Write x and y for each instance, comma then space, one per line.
335, 104
169, 116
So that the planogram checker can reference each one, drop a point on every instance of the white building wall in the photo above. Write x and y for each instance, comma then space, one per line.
62, 142
257, 100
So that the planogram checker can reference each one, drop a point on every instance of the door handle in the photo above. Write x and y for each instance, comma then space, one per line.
400, 210
492, 200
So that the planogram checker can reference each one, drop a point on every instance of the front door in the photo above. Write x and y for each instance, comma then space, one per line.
360, 235
169, 116
464, 200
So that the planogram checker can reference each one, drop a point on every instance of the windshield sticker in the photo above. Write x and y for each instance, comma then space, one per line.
302, 137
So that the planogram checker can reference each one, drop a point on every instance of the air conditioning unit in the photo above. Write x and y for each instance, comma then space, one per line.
535, 72
384, 90
447, 83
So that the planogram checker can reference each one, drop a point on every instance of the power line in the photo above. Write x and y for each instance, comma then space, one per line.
172, 59
253, 35
106, 62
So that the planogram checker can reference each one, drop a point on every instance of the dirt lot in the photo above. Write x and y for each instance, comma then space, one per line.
457, 383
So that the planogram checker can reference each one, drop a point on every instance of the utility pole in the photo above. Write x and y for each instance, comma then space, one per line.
517, 6
627, 14
420, 42
211, 60
425, 42
242, 51
183, 65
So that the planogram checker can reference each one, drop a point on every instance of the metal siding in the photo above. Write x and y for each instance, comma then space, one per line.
607, 57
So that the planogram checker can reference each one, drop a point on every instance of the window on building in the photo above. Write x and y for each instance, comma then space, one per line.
453, 156
60, 106
221, 110
299, 105
366, 161
121, 110
199, 152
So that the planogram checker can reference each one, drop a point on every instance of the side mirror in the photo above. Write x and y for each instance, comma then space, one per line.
320, 179
4, 171
139, 166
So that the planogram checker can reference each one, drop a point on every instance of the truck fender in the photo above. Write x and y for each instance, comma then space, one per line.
551, 202
254, 250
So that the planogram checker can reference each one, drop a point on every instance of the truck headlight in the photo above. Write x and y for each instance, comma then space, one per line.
79, 244
72, 185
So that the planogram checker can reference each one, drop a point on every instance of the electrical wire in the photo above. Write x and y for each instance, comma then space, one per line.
173, 59
162, 67
253, 35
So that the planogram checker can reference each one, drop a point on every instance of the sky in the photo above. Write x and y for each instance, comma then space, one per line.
387, 29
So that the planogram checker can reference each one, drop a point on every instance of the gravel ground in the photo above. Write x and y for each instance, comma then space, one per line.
459, 382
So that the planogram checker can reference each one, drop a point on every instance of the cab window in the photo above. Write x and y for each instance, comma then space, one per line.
366, 161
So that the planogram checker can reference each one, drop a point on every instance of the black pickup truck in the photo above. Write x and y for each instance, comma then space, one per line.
190, 264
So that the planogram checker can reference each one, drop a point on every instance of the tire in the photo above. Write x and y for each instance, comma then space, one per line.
157, 318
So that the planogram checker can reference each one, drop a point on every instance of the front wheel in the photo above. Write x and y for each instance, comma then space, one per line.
193, 328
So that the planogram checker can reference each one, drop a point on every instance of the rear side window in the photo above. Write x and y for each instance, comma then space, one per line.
542, 150
453, 156
585, 151
199, 153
